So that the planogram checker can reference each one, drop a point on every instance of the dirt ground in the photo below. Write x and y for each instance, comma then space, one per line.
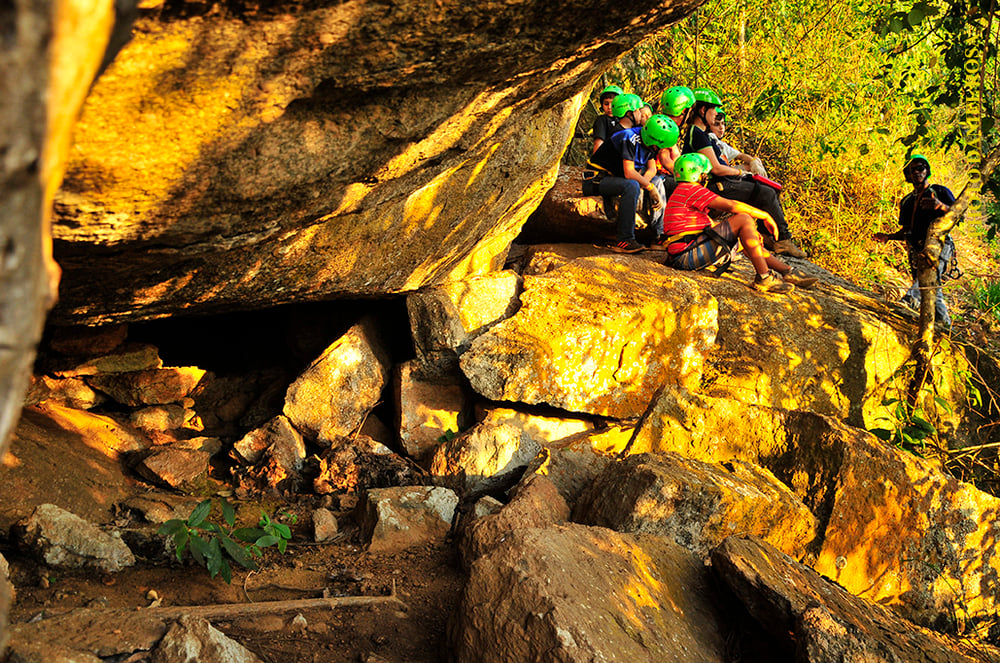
428, 579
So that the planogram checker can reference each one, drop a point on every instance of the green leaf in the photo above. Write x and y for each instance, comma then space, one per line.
282, 544
199, 549
171, 527
228, 512
248, 534
265, 541
213, 558
281, 530
212, 527
914, 17
923, 425
180, 542
200, 513
882, 433
236, 552
863, 148
889, 401
227, 572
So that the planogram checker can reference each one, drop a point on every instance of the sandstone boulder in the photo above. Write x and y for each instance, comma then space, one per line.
565, 214
71, 392
125, 358
429, 408
697, 504
546, 428
445, 319
827, 623
573, 463
905, 535
394, 519
598, 335
62, 539
322, 150
194, 640
157, 386
573, 593
333, 395
534, 503
484, 458
175, 466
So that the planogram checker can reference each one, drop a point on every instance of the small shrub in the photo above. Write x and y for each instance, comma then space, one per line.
213, 545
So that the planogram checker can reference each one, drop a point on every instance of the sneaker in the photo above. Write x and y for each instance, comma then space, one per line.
659, 245
787, 247
627, 246
799, 279
771, 283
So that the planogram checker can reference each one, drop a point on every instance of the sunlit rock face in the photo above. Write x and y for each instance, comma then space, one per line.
599, 335
242, 155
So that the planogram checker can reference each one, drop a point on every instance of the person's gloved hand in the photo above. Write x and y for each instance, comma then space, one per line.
654, 198
757, 168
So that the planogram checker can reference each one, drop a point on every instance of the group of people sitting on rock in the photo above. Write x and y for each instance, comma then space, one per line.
639, 158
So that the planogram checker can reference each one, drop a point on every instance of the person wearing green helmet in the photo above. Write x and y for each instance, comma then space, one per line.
606, 123
676, 102
694, 242
917, 211
729, 182
628, 108
623, 168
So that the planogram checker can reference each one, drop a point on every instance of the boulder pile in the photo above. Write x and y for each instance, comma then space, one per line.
635, 463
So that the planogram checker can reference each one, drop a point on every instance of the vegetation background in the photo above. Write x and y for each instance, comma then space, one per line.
833, 96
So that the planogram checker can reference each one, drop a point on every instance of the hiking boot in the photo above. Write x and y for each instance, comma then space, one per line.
770, 282
799, 279
627, 246
787, 247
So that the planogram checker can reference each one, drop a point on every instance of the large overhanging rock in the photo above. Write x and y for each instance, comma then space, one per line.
238, 156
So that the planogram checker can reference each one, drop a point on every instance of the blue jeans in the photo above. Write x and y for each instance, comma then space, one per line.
912, 296
630, 194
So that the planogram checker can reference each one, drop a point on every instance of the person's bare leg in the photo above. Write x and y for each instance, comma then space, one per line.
745, 228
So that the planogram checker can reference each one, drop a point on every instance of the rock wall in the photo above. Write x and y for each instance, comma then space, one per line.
239, 155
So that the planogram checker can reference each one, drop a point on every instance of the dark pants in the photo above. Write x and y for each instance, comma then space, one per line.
760, 196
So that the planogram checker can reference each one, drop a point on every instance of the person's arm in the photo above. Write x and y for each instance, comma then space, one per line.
631, 173
597, 143
737, 207
650, 172
666, 157
717, 167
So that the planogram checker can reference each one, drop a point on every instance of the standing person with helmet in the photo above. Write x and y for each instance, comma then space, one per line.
605, 124
625, 166
729, 182
693, 242
917, 211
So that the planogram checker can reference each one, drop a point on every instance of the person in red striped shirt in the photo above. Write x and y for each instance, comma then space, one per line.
694, 242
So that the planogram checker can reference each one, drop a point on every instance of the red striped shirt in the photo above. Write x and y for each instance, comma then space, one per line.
686, 212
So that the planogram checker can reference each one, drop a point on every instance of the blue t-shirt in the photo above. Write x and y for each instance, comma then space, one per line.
625, 145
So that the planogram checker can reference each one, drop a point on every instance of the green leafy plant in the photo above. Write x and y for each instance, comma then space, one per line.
448, 436
214, 545
908, 427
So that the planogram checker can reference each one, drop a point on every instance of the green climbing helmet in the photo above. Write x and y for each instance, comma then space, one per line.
660, 131
610, 91
624, 103
690, 167
676, 100
707, 96
918, 157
